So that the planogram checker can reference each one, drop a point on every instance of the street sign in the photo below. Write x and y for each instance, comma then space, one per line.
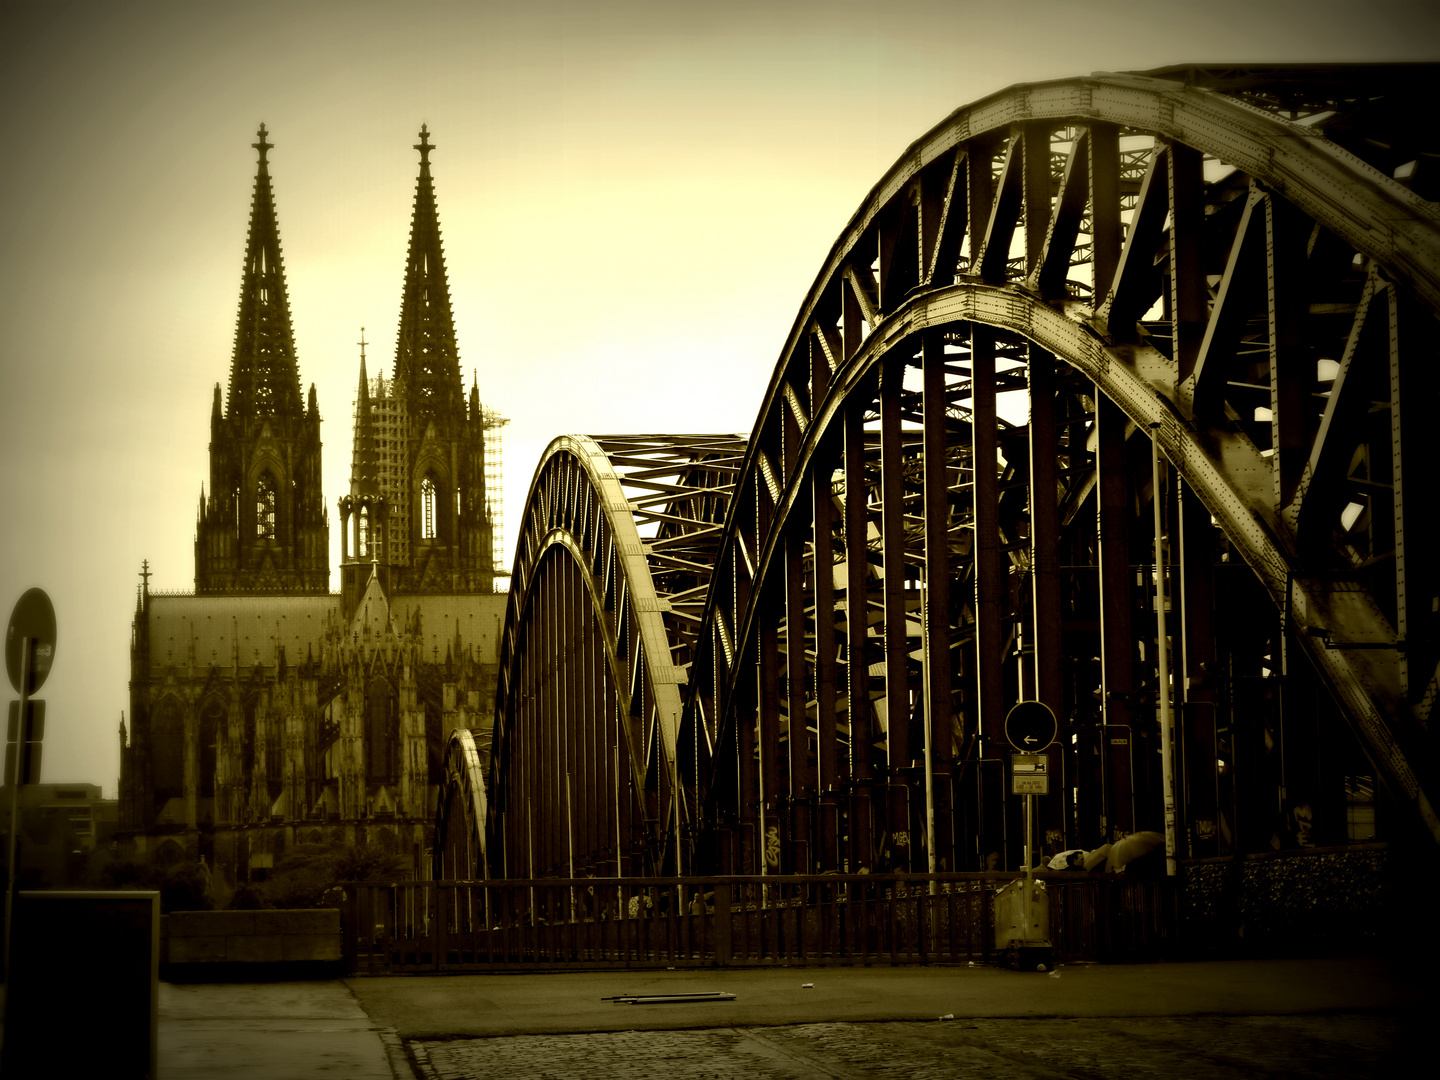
1029, 774
23, 742
34, 728
29, 652
34, 618
1030, 726
29, 758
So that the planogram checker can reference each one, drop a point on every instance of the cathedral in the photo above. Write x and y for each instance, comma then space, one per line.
265, 710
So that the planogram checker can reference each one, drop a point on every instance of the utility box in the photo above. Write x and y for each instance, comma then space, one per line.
83, 998
1022, 925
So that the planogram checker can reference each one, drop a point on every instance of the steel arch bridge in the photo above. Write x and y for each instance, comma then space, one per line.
611, 574
1105, 397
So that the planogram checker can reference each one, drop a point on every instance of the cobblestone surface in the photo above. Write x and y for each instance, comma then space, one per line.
1174, 1048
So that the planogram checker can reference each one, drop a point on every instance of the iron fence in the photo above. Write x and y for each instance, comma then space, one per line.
578, 923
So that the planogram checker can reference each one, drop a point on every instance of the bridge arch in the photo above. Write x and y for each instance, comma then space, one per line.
610, 574
1092, 352
462, 811
1141, 260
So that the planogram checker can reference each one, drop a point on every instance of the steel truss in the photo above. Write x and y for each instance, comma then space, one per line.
946, 503
462, 808
611, 574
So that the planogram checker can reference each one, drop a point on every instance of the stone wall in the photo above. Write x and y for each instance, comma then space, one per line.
273, 944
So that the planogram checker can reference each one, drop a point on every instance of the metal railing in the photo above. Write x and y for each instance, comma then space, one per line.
579, 923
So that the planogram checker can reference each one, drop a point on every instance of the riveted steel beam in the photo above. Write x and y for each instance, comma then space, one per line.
589, 671
1142, 278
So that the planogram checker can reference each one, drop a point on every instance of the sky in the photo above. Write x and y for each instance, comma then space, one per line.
634, 198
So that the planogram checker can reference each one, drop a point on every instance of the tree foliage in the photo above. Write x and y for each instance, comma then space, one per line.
308, 871
184, 886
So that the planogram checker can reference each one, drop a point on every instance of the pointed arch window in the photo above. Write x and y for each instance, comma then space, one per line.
250, 707
362, 544
265, 507
427, 503
274, 757
167, 751
381, 733
212, 723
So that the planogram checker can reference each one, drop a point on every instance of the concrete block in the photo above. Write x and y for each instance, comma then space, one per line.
205, 923
271, 923
311, 947
181, 924
199, 949
325, 920
255, 949
298, 921
234, 923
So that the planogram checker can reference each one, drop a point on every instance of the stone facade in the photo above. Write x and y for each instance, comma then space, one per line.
236, 752
265, 710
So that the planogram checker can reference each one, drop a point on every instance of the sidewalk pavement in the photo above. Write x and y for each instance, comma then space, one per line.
1223, 1019
499, 1005
273, 1031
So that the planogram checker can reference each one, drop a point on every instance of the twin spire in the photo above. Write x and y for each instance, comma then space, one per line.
264, 375
427, 361
264, 379
263, 526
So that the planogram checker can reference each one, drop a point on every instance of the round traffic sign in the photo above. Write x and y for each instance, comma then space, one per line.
1030, 726
34, 618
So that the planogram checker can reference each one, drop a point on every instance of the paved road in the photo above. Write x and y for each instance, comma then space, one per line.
488, 1005
1168, 1048
1305, 1018
1320, 1018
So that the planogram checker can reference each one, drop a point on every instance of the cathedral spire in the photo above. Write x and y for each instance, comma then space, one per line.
427, 361
264, 529
264, 380
364, 463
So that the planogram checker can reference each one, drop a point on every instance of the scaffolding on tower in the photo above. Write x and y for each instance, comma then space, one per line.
390, 426
494, 426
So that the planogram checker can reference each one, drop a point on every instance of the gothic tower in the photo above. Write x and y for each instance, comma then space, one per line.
265, 711
263, 528
427, 441
365, 545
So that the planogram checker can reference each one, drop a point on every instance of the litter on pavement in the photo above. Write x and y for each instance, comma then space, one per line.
668, 999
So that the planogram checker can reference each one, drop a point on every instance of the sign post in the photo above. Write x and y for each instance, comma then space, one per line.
29, 652
1030, 727
1022, 909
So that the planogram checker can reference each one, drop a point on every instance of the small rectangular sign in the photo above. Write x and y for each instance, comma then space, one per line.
29, 757
1028, 763
1030, 785
35, 728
